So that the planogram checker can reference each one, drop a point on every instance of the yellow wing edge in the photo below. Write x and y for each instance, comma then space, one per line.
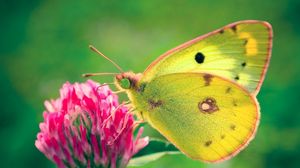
249, 138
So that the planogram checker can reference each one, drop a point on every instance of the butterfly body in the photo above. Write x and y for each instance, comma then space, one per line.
201, 95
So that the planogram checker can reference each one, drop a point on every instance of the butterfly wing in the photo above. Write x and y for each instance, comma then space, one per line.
239, 52
206, 117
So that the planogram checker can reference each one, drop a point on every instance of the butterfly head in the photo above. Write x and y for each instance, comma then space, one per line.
127, 80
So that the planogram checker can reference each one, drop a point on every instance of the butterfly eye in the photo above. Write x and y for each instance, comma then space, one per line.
125, 83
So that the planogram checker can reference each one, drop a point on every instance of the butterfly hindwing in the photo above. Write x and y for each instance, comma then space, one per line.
239, 52
205, 116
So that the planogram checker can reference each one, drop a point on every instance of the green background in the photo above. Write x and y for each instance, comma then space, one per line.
45, 43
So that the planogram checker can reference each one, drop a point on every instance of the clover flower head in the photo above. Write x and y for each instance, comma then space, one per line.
87, 127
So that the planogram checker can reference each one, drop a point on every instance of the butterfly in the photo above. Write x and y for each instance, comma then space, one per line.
201, 95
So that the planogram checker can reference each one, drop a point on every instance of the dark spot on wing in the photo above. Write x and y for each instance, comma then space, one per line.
207, 78
228, 90
199, 57
233, 28
222, 136
232, 127
251, 129
208, 105
237, 77
243, 64
208, 143
246, 41
234, 102
221, 31
154, 104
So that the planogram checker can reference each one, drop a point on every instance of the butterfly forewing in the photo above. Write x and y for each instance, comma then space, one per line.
239, 52
206, 117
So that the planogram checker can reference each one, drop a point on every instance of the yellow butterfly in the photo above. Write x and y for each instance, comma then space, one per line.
201, 95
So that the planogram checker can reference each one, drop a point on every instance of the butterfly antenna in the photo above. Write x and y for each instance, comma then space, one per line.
98, 52
99, 74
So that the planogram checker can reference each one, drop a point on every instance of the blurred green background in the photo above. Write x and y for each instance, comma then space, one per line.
45, 43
